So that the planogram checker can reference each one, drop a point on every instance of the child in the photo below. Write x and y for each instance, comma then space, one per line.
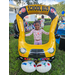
37, 32
42, 22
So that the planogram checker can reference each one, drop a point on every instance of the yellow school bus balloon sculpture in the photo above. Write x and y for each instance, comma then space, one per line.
35, 57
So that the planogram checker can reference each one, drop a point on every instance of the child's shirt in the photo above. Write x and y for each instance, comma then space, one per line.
42, 22
37, 34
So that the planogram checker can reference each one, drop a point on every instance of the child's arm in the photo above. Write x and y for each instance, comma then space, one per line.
29, 33
47, 33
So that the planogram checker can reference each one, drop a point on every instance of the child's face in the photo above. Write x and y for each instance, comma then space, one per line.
37, 26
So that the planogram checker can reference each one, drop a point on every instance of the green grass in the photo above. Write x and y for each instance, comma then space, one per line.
58, 64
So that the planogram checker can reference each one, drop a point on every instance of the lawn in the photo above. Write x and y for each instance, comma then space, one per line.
58, 64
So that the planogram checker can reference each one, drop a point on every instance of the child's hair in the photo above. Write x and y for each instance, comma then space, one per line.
37, 22
42, 16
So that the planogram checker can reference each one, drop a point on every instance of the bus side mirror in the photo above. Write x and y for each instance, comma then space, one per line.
57, 36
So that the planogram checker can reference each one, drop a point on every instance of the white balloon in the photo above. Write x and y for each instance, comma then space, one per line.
43, 66
28, 66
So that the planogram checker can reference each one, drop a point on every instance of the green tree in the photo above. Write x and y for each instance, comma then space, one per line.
59, 7
18, 1
29, 2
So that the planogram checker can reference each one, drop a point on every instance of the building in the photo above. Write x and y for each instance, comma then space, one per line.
13, 10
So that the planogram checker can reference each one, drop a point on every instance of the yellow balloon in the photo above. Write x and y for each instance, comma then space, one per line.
64, 14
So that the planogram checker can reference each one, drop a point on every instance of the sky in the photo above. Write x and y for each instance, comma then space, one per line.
46, 2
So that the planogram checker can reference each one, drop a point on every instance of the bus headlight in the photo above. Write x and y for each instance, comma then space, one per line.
50, 50
23, 50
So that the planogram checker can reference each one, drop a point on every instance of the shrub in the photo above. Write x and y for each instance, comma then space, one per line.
47, 23
46, 19
31, 22
39, 18
10, 24
11, 30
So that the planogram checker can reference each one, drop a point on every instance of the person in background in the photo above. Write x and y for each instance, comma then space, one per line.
63, 18
35, 17
33, 26
62, 22
42, 21
24, 23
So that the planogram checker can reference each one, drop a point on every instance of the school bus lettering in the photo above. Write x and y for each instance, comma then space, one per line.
37, 8
34, 8
44, 8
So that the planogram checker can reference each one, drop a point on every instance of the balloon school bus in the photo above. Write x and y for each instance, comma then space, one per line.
28, 53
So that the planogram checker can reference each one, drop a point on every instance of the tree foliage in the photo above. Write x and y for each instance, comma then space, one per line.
59, 7
18, 1
29, 2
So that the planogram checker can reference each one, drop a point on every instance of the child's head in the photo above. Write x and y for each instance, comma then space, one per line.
37, 25
42, 17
